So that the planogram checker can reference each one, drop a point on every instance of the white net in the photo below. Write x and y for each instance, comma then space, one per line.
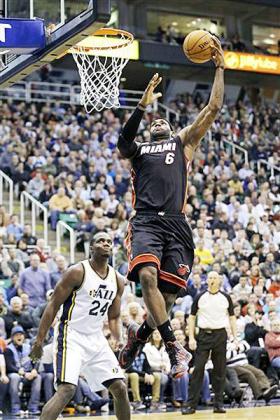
100, 69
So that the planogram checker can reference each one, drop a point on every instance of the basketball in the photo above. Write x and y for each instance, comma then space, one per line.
197, 46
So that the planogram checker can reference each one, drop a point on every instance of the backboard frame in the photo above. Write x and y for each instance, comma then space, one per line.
58, 42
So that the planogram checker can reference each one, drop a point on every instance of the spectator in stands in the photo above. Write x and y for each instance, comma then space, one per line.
160, 366
27, 235
46, 194
14, 229
258, 381
4, 380
140, 371
59, 203
20, 370
242, 286
272, 344
16, 316
39, 310
35, 282
36, 185
205, 256
56, 275
12, 289
3, 306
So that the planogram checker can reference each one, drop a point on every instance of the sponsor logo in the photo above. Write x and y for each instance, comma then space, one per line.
183, 269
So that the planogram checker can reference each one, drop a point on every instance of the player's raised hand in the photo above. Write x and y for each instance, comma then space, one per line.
217, 52
149, 96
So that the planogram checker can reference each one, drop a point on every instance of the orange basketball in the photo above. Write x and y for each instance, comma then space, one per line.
197, 46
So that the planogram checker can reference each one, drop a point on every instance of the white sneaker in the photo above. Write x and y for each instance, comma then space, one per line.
105, 408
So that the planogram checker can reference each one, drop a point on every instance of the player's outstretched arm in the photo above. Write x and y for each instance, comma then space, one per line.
114, 312
126, 143
70, 281
192, 135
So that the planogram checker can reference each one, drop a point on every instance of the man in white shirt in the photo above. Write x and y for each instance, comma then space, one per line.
213, 310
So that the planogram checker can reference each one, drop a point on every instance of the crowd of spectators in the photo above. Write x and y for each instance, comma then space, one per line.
171, 35
68, 160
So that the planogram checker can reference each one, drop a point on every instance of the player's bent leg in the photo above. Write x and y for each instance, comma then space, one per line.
155, 303
118, 390
51, 410
152, 296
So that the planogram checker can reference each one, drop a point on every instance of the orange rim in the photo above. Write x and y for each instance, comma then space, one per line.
103, 32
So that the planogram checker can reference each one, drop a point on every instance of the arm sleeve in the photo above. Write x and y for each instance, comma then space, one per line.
126, 143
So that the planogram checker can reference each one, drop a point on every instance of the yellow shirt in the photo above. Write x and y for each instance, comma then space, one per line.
204, 255
60, 203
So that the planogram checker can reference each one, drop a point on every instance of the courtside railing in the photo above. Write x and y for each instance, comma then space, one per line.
274, 170
229, 145
60, 230
6, 181
36, 209
63, 93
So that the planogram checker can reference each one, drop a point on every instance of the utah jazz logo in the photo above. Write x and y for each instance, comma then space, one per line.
102, 293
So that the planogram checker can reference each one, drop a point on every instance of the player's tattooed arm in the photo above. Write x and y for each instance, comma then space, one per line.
71, 280
114, 312
126, 142
192, 134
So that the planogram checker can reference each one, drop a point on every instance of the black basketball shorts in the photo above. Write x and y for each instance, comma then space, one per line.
162, 241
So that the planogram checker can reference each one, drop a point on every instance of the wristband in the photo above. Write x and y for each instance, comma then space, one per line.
141, 107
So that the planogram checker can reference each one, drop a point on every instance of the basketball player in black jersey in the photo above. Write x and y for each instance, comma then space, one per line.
159, 241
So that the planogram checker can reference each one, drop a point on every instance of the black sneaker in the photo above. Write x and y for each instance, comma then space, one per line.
133, 346
179, 358
219, 410
270, 393
187, 410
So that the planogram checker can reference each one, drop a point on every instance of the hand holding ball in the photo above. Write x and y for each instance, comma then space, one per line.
198, 46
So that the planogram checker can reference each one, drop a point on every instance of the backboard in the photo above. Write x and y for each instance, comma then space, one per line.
67, 23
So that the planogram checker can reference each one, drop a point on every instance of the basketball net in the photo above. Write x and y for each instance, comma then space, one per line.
100, 63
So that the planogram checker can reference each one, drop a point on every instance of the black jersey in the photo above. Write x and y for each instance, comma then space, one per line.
159, 176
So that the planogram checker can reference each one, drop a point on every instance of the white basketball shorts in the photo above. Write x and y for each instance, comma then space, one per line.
78, 354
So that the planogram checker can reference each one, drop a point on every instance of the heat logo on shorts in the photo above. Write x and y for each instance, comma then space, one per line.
183, 269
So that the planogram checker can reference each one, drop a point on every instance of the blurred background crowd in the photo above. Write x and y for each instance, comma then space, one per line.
68, 161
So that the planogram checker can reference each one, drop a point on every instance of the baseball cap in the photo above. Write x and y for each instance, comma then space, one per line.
17, 330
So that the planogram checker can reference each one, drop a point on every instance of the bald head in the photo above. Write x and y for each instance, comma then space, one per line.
214, 281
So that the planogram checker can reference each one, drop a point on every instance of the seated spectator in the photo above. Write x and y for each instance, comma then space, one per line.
4, 380
36, 185
140, 371
269, 268
22, 252
25, 303
20, 370
39, 310
14, 229
243, 286
232, 386
27, 235
258, 381
160, 365
254, 331
86, 400
40, 250
3, 306
135, 312
59, 203
14, 265
272, 344
35, 282
56, 275
204, 254
16, 316
12, 290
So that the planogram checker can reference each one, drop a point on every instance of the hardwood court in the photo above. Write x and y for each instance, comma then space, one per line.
257, 413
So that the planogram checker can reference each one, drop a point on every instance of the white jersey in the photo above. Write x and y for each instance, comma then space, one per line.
87, 307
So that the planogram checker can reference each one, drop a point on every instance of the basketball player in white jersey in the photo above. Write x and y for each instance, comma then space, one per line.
87, 292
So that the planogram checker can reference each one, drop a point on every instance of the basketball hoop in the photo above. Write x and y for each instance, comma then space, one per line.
100, 60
